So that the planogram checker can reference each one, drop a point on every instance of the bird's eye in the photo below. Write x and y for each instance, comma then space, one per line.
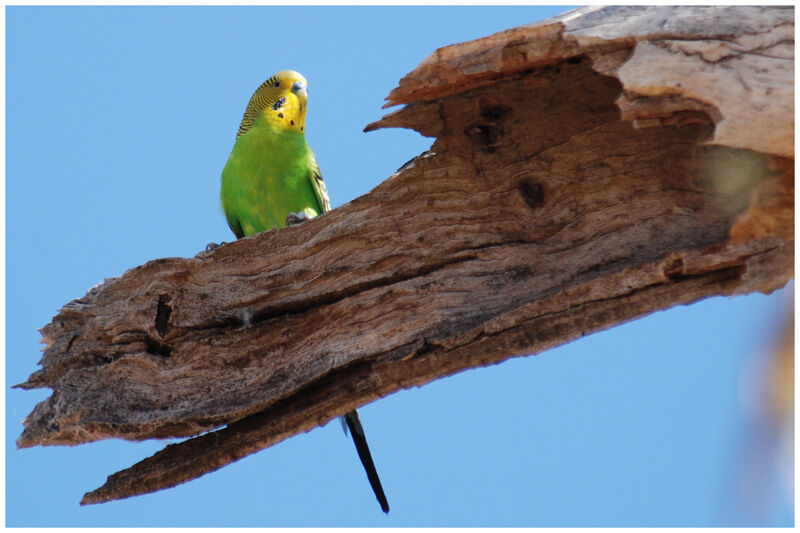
277, 84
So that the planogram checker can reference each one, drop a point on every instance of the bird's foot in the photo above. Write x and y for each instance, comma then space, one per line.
297, 218
212, 246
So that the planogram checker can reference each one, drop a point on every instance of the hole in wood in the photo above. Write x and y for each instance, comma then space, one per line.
163, 313
483, 135
156, 347
532, 192
493, 112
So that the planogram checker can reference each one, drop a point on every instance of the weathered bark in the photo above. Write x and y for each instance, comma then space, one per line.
587, 170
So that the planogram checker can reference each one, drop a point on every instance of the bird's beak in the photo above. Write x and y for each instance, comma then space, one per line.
299, 87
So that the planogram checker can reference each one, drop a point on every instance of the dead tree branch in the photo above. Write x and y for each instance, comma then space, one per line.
587, 170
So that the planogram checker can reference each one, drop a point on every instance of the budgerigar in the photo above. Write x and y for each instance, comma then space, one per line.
272, 179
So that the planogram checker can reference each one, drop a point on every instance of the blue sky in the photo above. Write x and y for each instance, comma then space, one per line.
118, 124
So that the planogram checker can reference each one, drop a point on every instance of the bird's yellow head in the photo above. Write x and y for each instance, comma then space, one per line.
280, 101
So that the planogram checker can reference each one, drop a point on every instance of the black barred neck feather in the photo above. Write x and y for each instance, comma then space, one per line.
278, 103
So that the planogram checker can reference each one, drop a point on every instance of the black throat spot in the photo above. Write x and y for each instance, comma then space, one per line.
279, 103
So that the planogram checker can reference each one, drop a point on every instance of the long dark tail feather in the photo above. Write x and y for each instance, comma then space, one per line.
354, 424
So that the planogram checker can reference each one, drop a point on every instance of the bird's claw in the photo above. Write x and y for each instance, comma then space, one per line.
212, 246
296, 218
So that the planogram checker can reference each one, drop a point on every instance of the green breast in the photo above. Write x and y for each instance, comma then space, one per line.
267, 176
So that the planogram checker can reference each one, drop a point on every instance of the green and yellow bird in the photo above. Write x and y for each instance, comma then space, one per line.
272, 180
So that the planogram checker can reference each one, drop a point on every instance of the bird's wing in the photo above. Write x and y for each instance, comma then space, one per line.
320, 190
235, 225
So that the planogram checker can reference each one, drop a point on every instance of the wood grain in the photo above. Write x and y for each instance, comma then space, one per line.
586, 171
